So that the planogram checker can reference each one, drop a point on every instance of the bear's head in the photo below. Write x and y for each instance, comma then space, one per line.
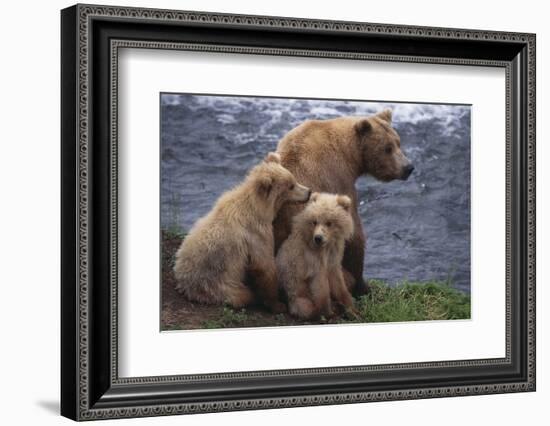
326, 220
275, 184
380, 148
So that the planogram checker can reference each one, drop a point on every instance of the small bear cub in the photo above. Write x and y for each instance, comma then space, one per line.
309, 262
228, 255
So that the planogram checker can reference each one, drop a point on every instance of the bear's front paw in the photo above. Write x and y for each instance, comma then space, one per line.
331, 314
277, 307
361, 288
352, 313
327, 313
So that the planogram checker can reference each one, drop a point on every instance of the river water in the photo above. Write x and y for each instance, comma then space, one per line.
417, 230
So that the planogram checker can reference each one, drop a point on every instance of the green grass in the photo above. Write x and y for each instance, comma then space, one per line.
229, 317
174, 229
412, 302
407, 302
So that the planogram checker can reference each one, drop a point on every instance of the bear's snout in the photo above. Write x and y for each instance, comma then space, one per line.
407, 170
320, 237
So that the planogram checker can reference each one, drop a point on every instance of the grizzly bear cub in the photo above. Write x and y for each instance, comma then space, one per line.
309, 262
228, 255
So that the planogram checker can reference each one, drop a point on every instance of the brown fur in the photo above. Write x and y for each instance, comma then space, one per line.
233, 244
309, 263
329, 156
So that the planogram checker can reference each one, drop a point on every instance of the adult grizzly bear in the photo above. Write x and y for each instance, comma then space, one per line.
233, 245
329, 156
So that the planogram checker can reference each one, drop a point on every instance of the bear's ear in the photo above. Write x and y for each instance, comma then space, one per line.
344, 201
273, 157
385, 115
314, 197
363, 126
264, 186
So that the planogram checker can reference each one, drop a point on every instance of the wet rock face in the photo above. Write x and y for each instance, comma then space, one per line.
417, 229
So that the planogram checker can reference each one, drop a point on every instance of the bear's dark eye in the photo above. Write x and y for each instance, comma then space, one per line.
388, 149
314, 222
329, 224
291, 187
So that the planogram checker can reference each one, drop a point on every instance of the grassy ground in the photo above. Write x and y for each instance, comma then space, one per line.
409, 301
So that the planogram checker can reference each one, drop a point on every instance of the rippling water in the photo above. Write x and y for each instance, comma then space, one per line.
416, 230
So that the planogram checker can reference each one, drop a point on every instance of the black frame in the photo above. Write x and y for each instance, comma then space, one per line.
90, 386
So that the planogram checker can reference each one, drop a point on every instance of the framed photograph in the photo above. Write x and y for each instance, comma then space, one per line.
210, 142
264, 212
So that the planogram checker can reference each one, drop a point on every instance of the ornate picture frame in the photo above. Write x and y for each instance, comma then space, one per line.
91, 37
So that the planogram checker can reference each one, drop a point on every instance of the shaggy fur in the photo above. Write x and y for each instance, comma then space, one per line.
309, 261
232, 246
329, 156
